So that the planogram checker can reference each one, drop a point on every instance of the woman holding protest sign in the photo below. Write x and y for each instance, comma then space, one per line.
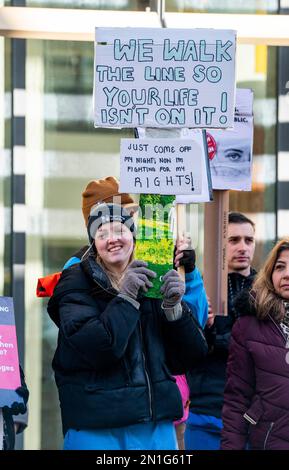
117, 350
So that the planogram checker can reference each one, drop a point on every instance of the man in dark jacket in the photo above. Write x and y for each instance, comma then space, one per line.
207, 379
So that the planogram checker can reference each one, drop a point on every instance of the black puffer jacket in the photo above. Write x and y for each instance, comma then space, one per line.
114, 363
207, 379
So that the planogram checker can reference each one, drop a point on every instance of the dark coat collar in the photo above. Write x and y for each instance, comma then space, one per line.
244, 303
240, 277
95, 272
87, 276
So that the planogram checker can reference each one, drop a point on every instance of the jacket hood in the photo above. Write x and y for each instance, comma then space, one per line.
85, 277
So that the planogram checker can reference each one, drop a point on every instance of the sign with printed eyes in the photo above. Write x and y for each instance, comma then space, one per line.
232, 150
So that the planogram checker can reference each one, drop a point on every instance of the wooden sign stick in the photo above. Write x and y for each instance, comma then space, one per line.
215, 251
181, 230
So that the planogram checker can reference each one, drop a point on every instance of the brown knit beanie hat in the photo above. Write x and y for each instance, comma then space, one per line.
105, 190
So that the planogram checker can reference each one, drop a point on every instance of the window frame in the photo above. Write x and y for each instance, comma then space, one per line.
78, 25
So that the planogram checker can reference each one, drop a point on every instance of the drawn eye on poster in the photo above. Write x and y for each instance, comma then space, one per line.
231, 151
231, 165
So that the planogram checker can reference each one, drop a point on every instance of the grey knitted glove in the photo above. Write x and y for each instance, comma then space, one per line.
136, 277
172, 289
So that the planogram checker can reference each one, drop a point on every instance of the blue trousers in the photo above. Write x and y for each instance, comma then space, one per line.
203, 432
143, 436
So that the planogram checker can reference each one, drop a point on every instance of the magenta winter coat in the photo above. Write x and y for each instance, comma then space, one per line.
256, 401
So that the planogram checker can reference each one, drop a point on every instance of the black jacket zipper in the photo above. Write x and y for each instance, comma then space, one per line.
146, 371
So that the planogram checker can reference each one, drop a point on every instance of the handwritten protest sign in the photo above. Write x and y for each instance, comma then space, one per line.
164, 77
9, 364
161, 166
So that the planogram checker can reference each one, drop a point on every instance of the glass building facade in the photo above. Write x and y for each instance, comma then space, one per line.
50, 150
223, 6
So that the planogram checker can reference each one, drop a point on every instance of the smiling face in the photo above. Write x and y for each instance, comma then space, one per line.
280, 275
240, 248
114, 245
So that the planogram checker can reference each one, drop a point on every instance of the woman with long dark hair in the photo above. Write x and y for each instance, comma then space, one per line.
256, 407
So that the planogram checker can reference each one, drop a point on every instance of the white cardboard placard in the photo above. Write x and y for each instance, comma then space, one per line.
232, 150
198, 136
161, 166
164, 77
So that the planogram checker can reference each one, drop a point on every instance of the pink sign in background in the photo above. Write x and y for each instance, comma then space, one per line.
9, 368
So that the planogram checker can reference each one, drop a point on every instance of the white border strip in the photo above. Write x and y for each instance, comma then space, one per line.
79, 25
283, 223
283, 166
271, 30
68, 24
